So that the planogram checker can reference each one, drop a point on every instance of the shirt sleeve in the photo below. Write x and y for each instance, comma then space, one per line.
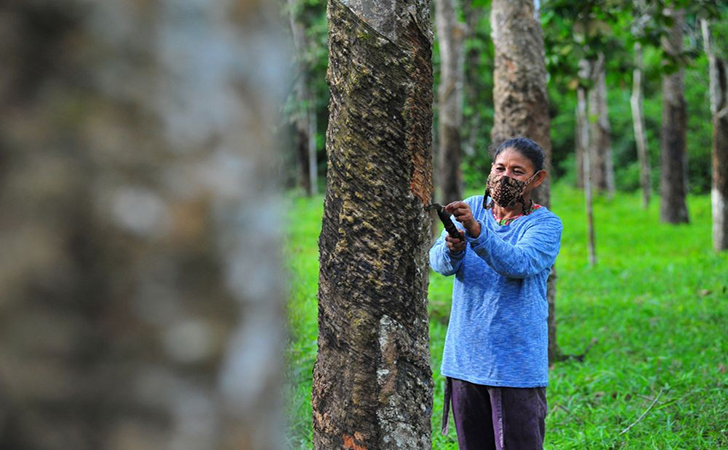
442, 260
535, 251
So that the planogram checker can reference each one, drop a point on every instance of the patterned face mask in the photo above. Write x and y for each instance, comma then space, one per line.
505, 191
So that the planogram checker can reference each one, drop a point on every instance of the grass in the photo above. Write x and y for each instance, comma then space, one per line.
655, 306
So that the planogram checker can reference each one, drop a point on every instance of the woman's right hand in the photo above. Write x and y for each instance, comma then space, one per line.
456, 245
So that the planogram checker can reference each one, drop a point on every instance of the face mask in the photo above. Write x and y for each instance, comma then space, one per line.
505, 191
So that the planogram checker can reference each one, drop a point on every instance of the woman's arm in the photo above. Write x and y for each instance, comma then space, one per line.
535, 251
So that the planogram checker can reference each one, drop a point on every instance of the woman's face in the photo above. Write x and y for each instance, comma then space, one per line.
512, 163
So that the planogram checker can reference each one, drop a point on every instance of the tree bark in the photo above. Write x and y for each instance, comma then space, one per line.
520, 98
601, 141
471, 76
673, 180
581, 147
136, 313
638, 120
586, 70
582, 95
719, 108
451, 35
372, 383
305, 112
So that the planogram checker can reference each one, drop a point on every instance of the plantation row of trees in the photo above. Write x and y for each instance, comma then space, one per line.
632, 87
372, 383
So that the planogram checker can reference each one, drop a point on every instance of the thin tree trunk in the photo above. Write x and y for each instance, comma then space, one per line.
586, 69
602, 165
582, 95
305, 113
673, 180
312, 148
473, 15
719, 108
638, 120
451, 35
581, 147
136, 313
520, 99
372, 384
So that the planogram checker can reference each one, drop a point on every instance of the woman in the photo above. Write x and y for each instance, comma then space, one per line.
496, 349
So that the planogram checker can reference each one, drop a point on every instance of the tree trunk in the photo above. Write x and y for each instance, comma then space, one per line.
586, 68
582, 95
673, 180
520, 98
581, 147
719, 108
136, 313
638, 119
601, 142
451, 35
471, 76
305, 112
372, 384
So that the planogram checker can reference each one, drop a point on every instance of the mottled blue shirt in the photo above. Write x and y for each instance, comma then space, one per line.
498, 332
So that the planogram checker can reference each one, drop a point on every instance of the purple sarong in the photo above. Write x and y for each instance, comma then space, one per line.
497, 418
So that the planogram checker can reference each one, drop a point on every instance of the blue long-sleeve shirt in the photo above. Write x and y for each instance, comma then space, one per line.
498, 332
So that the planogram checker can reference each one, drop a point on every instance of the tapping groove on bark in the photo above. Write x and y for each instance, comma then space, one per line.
372, 378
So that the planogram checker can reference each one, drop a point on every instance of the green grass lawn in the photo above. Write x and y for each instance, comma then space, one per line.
655, 307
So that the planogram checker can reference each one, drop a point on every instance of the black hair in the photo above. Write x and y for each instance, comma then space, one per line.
525, 147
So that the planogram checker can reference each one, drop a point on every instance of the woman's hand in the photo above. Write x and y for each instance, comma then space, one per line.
464, 215
456, 245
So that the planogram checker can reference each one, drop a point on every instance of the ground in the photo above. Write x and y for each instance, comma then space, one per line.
655, 308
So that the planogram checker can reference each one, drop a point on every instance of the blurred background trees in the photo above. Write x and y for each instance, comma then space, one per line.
628, 35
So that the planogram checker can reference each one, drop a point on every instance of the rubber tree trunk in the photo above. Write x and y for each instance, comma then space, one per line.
673, 180
582, 95
372, 384
719, 108
305, 112
586, 70
581, 147
451, 35
601, 141
136, 311
473, 15
520, 98
638, 120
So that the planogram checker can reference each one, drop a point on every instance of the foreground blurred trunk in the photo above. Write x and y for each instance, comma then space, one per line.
600, 135
638, 120
673, 181
372, 384
136, 312
719, 108
520, 99
305, 111
451, 36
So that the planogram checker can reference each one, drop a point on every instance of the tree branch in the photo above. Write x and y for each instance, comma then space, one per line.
644, 413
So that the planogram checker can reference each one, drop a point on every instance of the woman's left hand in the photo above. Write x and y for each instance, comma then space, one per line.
464, 215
